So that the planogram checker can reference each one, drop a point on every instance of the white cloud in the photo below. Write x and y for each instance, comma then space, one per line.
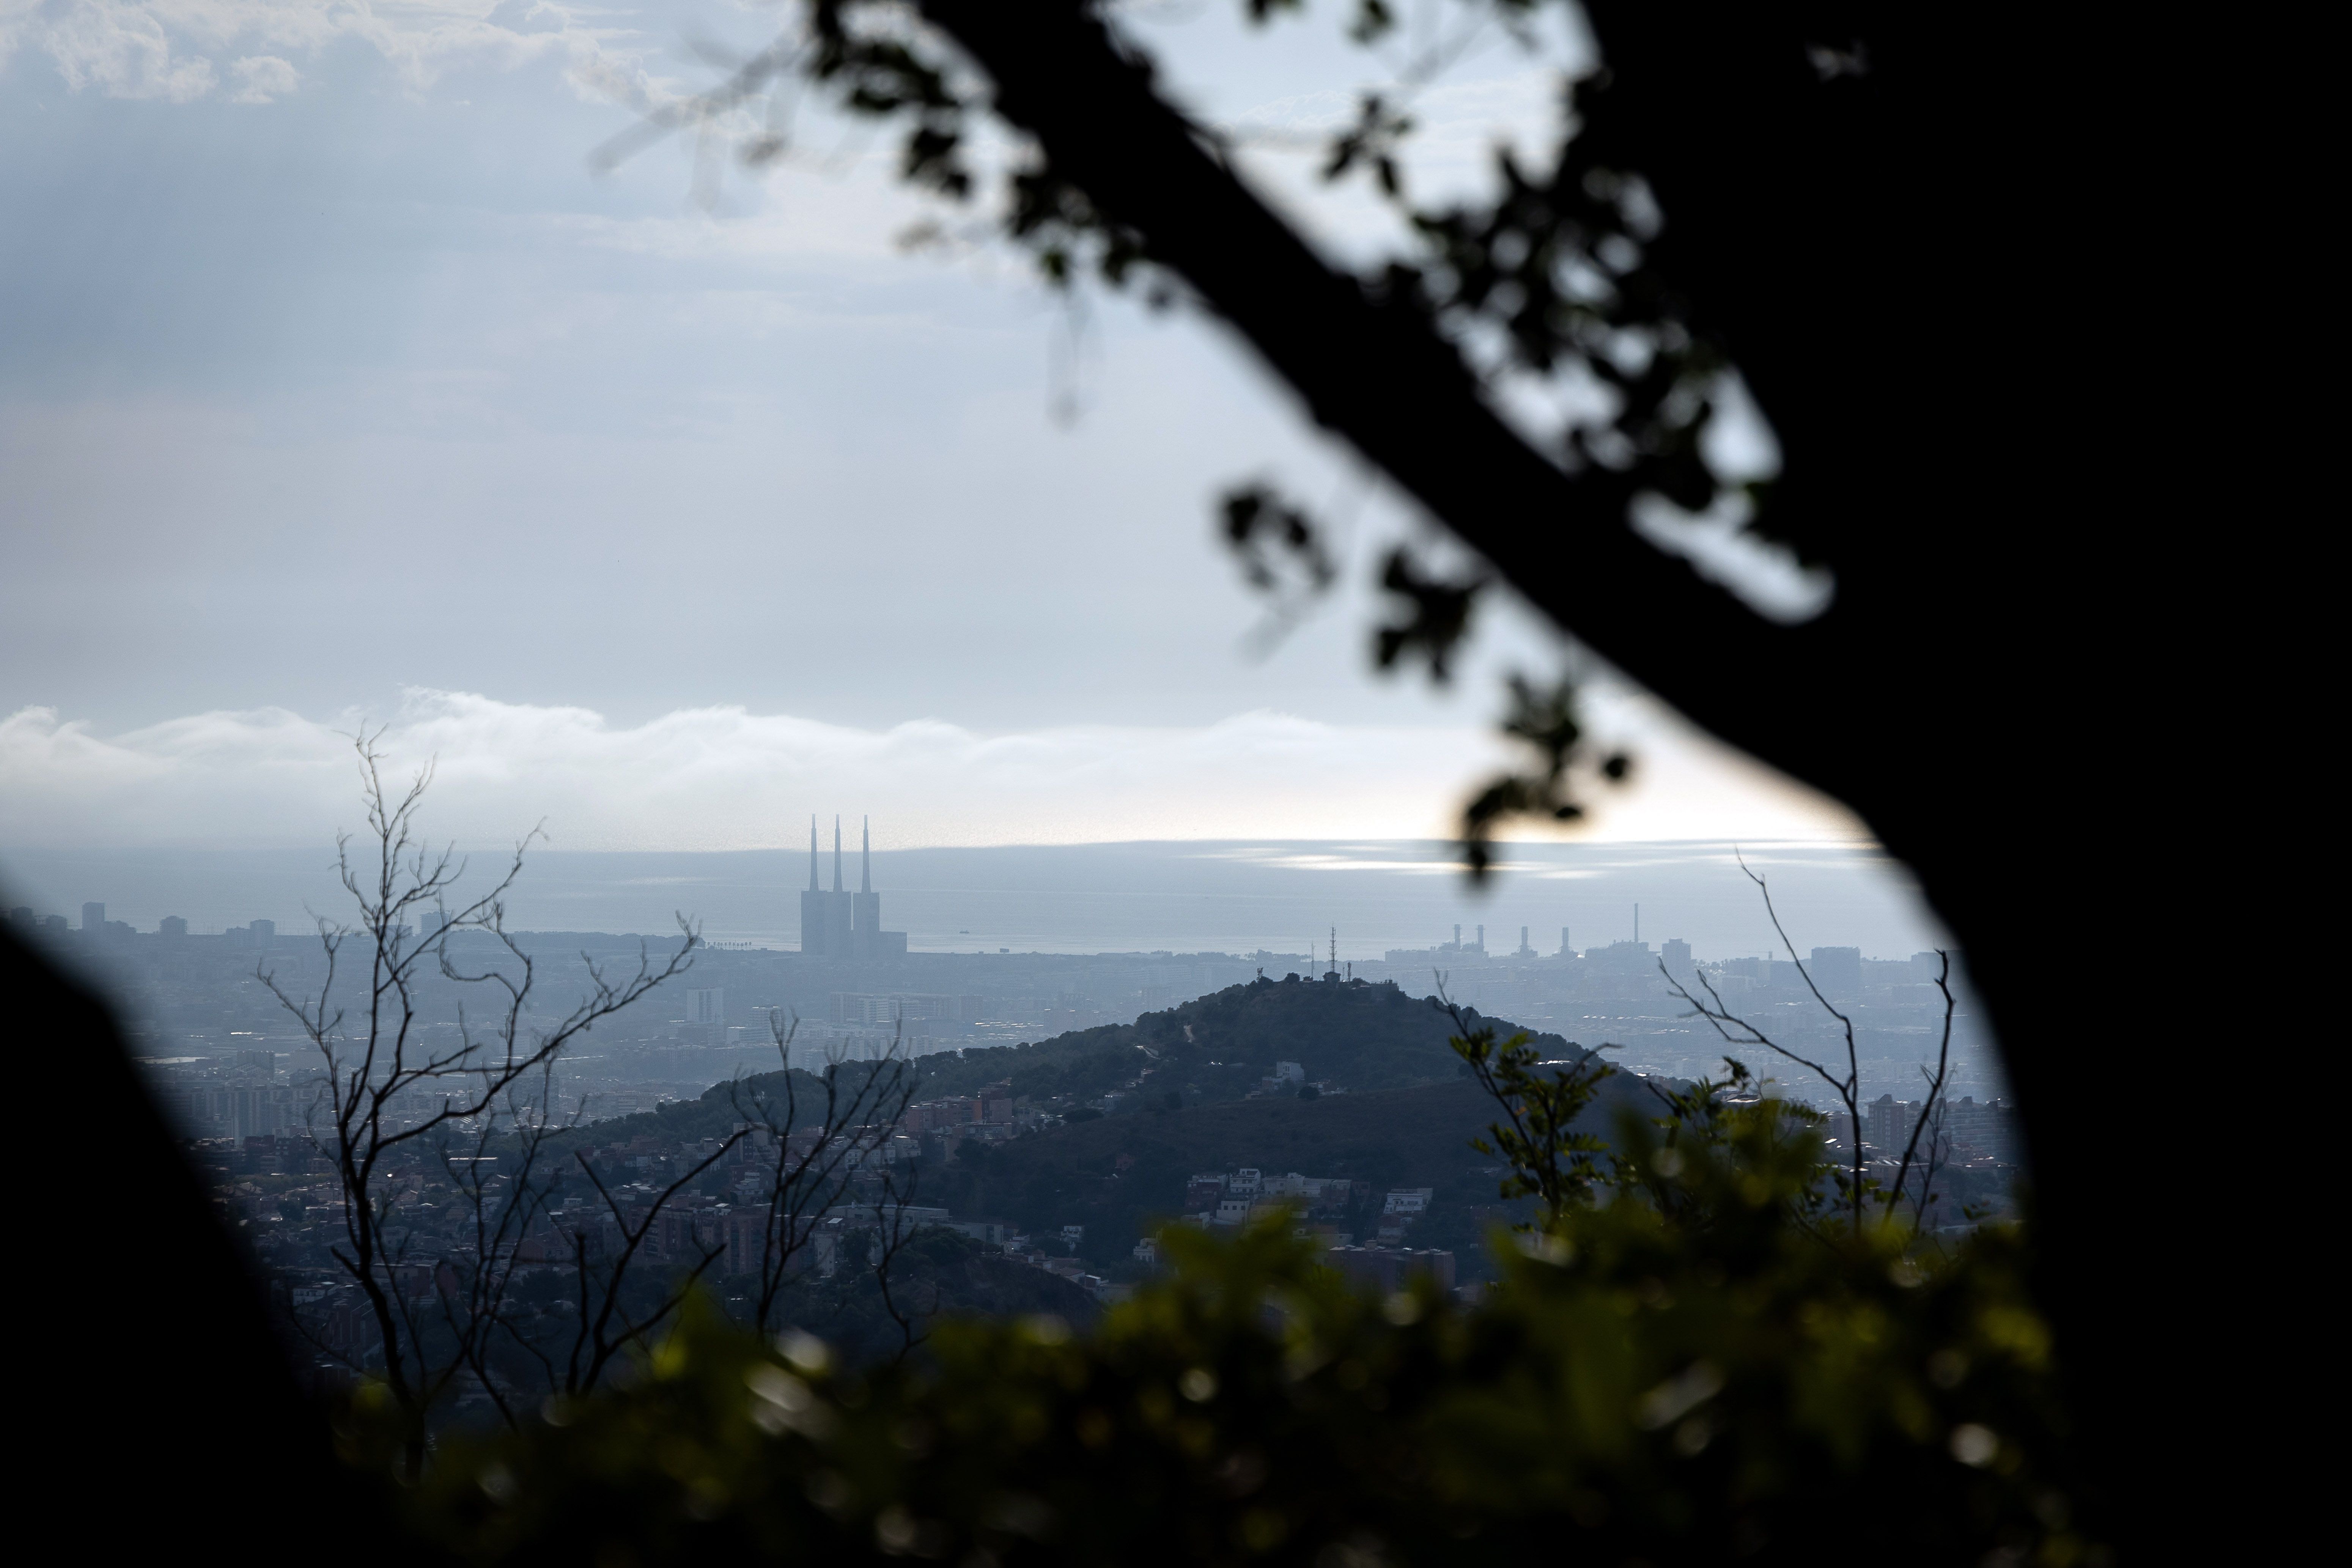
264, 79
124, 51
158, 48
725, 778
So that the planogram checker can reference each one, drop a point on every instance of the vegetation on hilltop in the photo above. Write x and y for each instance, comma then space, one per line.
1353, 1033
1212, 1051
1082, 1066
1217, 1048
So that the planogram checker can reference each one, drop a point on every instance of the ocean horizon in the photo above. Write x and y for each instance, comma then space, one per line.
1229, 896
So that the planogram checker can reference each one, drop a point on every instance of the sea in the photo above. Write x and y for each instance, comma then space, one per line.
1361, 899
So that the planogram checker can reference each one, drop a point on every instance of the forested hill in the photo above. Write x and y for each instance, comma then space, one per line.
1352, 1036
1211, 1051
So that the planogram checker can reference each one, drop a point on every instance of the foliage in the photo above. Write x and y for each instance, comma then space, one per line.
1358, 1036
1551, 1160
1688, 1368
1086, 1064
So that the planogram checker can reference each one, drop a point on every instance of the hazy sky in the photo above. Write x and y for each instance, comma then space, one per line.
334, 385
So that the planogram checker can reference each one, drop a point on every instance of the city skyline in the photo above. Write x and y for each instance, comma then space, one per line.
1234, 896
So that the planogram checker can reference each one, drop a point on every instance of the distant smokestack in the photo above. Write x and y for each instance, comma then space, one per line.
813, 881
836, 854
866, 855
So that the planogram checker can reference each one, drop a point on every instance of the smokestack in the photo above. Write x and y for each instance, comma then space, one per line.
1565, 951
812, 883
836, 854
866, 855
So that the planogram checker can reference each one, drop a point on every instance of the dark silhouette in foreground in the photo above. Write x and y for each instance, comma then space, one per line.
168, 1394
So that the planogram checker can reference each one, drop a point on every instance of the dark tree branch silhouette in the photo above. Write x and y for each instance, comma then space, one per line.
1855, 1186
606, 1326
1550, 1160
386, 1090
851, 1125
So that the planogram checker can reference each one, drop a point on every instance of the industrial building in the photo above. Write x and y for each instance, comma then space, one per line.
839, 924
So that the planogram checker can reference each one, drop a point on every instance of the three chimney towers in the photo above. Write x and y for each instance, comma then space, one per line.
838, 924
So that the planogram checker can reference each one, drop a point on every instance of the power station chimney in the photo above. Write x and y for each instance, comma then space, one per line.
813, 883
836, 854
866, 855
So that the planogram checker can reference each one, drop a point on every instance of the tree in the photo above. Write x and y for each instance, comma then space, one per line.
1926, 295
391, 1098
1857, 1187
811, 1167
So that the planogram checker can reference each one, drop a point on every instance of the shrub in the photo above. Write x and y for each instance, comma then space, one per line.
1694, 1363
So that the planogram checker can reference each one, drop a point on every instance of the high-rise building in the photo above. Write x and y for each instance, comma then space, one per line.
93, 917
1837, 970
1676, 953
707, 1006
1889, 1125
172, 927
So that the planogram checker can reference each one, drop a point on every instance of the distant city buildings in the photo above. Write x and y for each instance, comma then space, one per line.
1836, 970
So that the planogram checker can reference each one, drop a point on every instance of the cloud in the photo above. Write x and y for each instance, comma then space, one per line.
124, 51
726, 778
165, 48
265, 77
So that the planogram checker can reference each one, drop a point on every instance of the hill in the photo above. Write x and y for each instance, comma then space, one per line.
1120, 1175
1182, 1079
1216, 1048
1212, 1050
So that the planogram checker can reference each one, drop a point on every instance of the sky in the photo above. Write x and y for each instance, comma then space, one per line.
667, 506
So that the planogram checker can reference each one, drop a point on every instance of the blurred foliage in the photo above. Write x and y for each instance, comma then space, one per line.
1689, 1364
